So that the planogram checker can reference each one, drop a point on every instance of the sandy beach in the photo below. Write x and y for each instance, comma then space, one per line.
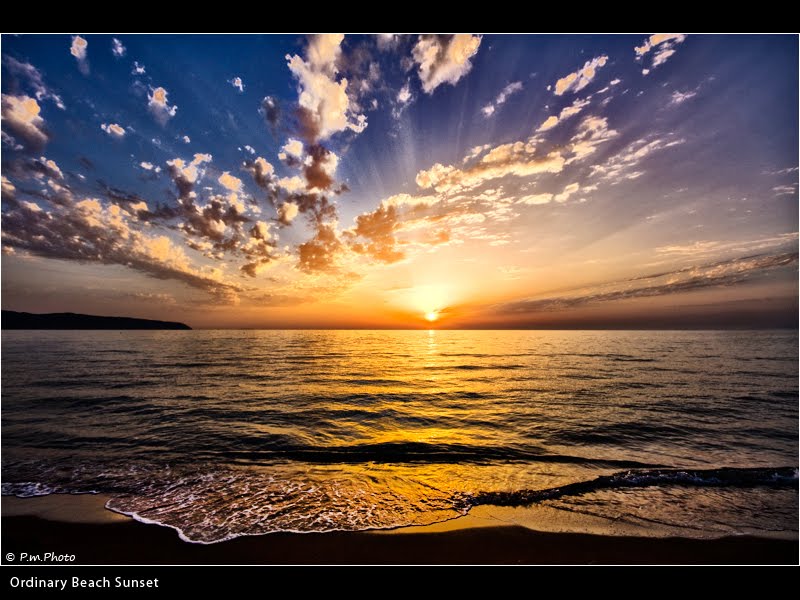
79, 525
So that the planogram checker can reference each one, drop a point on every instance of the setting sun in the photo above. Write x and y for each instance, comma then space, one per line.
431, 315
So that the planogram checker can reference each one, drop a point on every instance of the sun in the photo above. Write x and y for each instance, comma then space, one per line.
431, 315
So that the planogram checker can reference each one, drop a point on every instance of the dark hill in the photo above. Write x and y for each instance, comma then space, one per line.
21, 320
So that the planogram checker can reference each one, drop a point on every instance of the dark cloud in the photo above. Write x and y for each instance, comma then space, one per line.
24, 74
89, 232
271, 112
320, 252
374, 234
714, 275
316, 174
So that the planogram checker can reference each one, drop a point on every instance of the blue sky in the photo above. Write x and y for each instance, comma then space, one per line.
370, 181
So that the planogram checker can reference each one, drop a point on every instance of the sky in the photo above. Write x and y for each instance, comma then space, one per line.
414, 181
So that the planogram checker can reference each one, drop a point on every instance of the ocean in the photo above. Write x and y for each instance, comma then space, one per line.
220, 434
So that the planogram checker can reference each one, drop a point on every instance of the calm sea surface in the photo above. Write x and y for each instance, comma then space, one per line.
227, 433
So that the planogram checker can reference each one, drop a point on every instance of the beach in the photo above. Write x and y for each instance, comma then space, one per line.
79, 526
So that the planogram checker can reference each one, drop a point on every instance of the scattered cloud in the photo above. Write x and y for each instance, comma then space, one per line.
287, 212
32, 78
138, 69
230, 182
21, 116
404, 95
619, 167
724, 273
663, 47
567, 112
505, 93
785, 190
113, 130
249, 149
237, 83
150, 167
159, 106
576, 81
681, 97
324, 106
78, 49
117, 49
186, 139
444, 58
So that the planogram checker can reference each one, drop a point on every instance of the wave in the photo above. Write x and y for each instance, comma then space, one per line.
782, 477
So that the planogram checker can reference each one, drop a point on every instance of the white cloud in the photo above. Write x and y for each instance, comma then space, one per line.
569, 111
681, 97
21, 116
292, 184
534, 199
138, 69
575, 82
78, 49
444, 59
159, 105
325, 105
117, 49
404, 95
287, 212
237, 83
150, 167
34, 79
230, 182
250, 149
568, 191
186, 139
292, 147
113, 130
511, 88
663, 47
620, 167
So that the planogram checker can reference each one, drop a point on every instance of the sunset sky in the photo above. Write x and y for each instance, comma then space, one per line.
402, 181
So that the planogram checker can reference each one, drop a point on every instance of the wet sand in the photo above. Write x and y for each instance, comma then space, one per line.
79, 525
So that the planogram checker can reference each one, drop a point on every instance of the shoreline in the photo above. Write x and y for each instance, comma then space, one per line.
80, 525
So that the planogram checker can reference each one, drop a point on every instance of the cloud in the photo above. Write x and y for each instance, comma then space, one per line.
404, 95
78, 49
159, 106
117, 49
320, 253
270, 111
663, 47
567, 112
534, 199
724, 273
230, 182
505, 93
261, 171
138, 69
150, 167
287, 212
620, 166
186, 139
785, 190
324, 105
237, 83
20, 115
568, 191
681, 97
292, 147
249, 149
575, 82
113, 130
33, 78
89, 231
444, 58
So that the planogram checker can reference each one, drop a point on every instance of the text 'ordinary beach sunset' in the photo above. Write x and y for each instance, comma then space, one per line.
246, 199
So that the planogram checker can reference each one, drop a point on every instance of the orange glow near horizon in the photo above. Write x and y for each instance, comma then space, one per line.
431, 315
